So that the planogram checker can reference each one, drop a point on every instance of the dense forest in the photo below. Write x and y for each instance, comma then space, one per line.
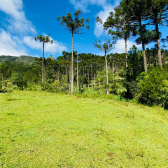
138, 75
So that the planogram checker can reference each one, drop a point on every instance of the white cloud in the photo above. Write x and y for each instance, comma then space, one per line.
18, 24
56, 47
13, 8
101, 53
103, 15
107, 8
10, 45
29, 41
83, 4
120, 46
36, 56
18, 21
21, 26
98, 31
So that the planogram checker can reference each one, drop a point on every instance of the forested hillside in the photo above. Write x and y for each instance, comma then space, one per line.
24, 59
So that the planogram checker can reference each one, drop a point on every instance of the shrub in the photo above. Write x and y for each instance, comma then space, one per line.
17, 79
117, 88
164, 91
56, 86
153, 89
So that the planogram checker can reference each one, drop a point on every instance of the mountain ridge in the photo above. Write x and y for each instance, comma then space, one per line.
23, 58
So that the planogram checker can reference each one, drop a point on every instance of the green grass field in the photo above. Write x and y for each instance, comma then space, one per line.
41, 129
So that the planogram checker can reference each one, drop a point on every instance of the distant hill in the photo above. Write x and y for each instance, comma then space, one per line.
25, 59
51, 58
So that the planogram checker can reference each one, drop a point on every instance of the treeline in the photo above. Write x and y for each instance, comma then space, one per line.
90, 75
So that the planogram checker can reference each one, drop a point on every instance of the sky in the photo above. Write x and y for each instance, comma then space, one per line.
22, 20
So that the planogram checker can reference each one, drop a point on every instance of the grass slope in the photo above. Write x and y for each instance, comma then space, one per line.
40, 129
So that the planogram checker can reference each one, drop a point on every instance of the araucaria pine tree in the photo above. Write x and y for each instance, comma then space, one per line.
75, 26
122, 28
158, 10
43, 39
106, 47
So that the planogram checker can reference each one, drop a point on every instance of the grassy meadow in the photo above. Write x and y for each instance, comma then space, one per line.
42, 129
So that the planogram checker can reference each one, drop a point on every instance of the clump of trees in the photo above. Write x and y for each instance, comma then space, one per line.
128, 83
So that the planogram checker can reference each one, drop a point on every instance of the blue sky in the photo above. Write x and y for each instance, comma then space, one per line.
21, 20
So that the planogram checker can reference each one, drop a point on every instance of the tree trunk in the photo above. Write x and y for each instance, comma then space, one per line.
107, 74
144, 55
85, 70
126, 56
92, 77
66, 72
70, 80
43, 77
77, 74
158, 46
113, 67
58, 76
88, 78
143, 47
72, 84
3, 82
94, 81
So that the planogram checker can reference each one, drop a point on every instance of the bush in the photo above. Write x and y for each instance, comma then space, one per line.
153, 89
17, 79
56, 86
88, 92
165, 94
117, 88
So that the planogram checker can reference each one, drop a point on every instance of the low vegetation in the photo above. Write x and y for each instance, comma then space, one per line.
42, 129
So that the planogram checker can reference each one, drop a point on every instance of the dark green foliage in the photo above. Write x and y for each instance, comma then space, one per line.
17, 79
8, 58
3, 91
117, 88
43, 39
83, 80
135, 67
135, 62
33, 75
153, 89
19, 73
5, 69
74, 25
